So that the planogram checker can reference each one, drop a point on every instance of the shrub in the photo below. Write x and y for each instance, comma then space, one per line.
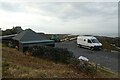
61, 55
36, 51
55, 54
86, 67
74, 61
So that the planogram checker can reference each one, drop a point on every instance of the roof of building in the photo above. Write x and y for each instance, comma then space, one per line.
29, 35
7, 36
40, 41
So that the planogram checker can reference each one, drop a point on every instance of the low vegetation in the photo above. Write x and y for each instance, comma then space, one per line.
109, 43
55, 54
17, 65
60, 55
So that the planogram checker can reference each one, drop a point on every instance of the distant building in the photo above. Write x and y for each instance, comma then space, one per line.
29, 38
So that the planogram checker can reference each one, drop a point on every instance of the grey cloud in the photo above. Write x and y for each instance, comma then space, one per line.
71, 17
92, 9
12, 7
78, 9
60, 10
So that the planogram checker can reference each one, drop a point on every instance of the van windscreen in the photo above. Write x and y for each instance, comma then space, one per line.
95, 41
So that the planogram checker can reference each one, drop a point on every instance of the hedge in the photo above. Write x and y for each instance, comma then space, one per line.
55, 54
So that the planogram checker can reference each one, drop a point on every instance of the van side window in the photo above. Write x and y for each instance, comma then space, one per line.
89, 41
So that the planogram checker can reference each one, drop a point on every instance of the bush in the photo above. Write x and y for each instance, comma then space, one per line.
61, 55
86, 67
74, 61
36, 51
55, 54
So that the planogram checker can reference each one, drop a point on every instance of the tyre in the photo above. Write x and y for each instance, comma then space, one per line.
79, 45
91, 48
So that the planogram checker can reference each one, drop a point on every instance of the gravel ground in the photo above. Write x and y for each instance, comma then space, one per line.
106, 59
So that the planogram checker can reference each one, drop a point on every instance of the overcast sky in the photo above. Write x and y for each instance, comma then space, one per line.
61, 17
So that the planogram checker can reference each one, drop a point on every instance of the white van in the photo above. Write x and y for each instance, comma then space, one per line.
89, 42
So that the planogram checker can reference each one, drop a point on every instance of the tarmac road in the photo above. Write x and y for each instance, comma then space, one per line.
107, 59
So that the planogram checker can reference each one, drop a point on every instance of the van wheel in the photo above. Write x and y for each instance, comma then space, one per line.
91, 48
80, 45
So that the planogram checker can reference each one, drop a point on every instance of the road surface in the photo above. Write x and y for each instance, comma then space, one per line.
104, 58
